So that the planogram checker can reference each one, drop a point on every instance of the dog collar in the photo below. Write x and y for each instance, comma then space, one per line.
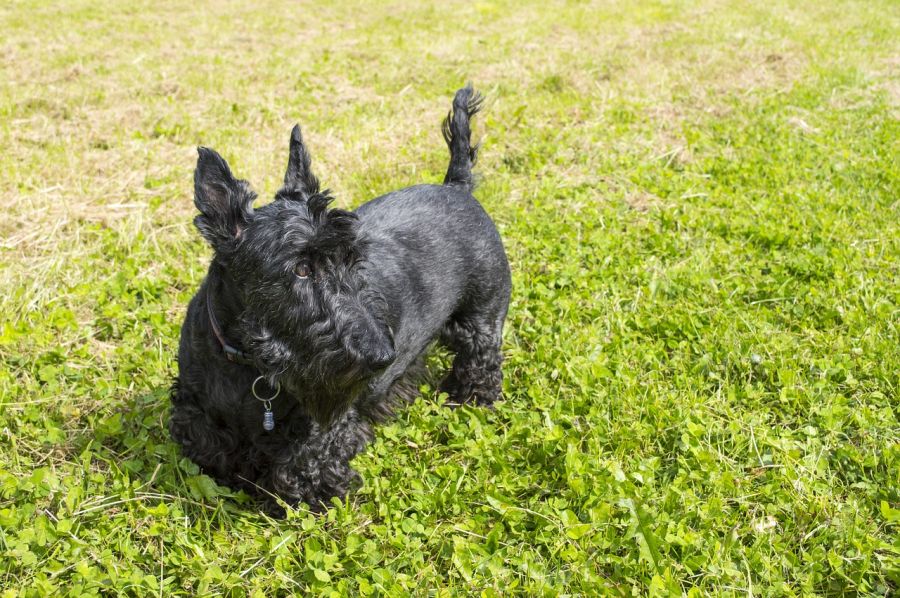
232, 353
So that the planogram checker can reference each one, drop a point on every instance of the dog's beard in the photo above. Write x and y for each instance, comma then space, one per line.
325, 382
325, 402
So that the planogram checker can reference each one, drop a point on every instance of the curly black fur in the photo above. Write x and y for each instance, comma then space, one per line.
336, 308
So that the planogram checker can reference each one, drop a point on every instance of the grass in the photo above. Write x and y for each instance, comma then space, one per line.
700, 203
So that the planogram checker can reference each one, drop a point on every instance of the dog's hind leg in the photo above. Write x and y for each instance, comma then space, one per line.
476, 376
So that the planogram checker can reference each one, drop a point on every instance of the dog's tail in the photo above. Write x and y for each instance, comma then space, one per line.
457, 134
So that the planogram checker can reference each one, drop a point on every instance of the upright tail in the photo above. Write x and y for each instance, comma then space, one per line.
457, 134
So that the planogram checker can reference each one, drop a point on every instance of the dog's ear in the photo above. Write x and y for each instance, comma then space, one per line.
299, 181
225, 203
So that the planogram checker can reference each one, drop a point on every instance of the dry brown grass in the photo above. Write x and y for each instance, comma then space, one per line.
105, 103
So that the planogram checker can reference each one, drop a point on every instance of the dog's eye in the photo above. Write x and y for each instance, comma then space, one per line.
303, 270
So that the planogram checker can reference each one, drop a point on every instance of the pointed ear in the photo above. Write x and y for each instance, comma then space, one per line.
225, 203
299, 181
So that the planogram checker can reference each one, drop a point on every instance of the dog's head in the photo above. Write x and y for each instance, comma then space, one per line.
295, 268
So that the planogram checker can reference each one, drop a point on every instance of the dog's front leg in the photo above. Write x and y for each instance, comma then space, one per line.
209, 444
317, 468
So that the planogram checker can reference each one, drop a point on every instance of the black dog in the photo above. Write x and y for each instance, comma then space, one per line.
333, 311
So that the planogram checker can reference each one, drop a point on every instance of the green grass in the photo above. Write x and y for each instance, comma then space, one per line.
701, 204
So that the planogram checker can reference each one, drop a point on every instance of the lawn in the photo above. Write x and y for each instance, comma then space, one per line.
701, 205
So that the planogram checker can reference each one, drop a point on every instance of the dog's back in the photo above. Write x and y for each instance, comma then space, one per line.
442, 229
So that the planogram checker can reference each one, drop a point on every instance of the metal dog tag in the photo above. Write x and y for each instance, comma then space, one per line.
268, 423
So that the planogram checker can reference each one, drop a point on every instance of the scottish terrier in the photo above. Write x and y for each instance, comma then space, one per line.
312, 321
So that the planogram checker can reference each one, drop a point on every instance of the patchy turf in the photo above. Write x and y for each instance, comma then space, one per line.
700, 203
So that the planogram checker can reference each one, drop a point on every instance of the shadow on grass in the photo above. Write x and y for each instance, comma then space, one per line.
132, 447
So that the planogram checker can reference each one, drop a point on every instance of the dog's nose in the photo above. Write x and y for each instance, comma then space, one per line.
370, 345
382, 359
